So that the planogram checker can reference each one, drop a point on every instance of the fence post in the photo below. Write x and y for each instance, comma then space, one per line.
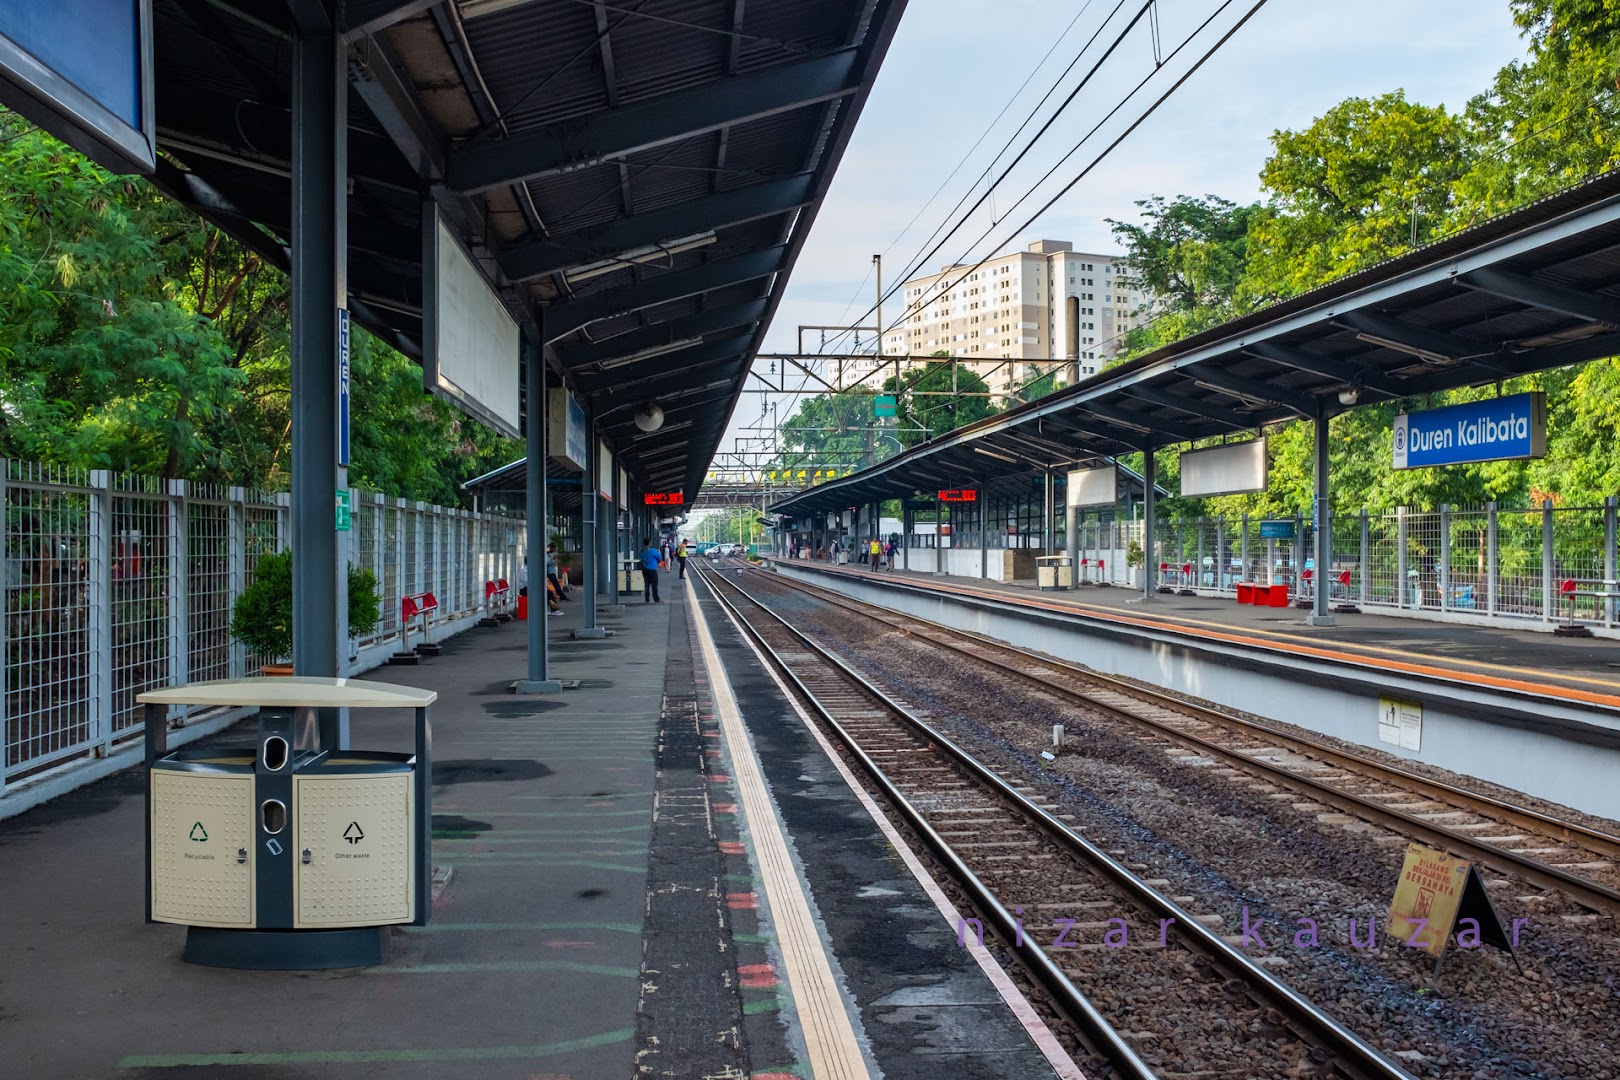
1492, 578
1443, 576
100, 620
236, 544
1365, 587
1243, 547
179, 598
1400, 557
1611, 506
1220, 552
1549, 588
1198, 566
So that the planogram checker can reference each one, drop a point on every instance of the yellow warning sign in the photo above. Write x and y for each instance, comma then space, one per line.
1427, 897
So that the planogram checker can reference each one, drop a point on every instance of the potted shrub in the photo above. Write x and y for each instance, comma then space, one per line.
261, 619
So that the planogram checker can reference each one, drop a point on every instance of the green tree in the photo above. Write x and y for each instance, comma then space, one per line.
1353, 189
939, 398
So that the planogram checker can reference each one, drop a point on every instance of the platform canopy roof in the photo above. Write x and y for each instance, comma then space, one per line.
1535, 289
637, 177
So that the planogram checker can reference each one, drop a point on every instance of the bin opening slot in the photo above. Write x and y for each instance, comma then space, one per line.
275, 753
273, 815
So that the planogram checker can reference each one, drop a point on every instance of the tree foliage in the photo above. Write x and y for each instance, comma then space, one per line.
135, 336
1365, 182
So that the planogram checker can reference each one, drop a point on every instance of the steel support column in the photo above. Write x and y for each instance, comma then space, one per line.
535, 510
589, 577
1149, 502
319, 258
1322, 576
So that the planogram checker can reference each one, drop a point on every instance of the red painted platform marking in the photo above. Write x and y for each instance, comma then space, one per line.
731, 847
725, 808
757, 976
719, 778
742, 901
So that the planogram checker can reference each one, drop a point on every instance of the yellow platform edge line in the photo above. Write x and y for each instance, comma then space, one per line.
831, 1045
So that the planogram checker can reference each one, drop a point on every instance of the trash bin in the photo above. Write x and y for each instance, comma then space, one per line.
1278, 596
286, 854
1245, 592
522, 606
1054, 572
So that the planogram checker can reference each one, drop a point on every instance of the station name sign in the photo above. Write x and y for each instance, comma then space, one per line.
958, 495
1499, 429
664, 498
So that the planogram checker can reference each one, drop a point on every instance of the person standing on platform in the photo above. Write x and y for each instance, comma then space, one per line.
650, 558
680, 557
875, 551
888, 552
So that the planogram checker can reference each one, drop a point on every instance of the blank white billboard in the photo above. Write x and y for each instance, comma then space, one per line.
1094, 487
471, 348
1224, 470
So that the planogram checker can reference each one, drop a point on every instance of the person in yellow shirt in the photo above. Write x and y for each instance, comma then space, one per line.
875, 550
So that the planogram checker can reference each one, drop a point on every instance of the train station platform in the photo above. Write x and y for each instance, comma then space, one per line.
1530, 711
1580, 669
658, 873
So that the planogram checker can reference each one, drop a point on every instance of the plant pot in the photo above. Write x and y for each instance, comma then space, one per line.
275, 669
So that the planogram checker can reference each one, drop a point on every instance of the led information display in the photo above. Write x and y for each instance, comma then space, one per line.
958, 495
1494, 430
664, 498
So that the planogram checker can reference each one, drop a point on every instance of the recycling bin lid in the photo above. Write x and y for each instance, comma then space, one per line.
296, 691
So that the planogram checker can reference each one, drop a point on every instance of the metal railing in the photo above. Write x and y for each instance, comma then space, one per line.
1484, 562
116, 584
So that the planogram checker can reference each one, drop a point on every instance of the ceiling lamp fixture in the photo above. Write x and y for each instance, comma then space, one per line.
647, 354
1410, 350
649, 417
650, 254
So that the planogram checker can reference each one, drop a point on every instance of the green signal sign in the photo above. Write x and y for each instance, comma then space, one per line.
886, 405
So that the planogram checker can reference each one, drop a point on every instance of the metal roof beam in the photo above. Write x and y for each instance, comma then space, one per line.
566, 317
1243, 387
362, 17
1135, 421
582, 142
683, 361
1217, 413
375, 76
1545, 294
650, 337
1329, 368
561, 251
1418, 339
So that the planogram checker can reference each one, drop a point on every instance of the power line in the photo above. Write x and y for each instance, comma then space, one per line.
1112, 145
916, 261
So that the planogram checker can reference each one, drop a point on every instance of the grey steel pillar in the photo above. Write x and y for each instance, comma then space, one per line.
1549, 582
319, 258
1323, 553
1048, 517
1149, 503
590, 553
537, 513
1611, 511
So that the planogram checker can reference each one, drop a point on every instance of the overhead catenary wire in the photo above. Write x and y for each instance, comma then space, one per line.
980, 142
1095, 161
917, 261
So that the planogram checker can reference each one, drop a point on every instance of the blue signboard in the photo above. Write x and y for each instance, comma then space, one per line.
1493, 430
1276, 530
83, 72
343, 387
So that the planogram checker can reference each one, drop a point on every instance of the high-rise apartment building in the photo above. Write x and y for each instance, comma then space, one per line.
1046, 303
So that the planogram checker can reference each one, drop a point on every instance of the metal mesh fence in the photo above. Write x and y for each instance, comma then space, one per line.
112, 585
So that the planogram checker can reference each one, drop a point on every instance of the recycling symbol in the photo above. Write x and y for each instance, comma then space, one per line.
199, 834
354, 834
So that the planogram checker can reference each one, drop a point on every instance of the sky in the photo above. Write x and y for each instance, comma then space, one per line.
955, 64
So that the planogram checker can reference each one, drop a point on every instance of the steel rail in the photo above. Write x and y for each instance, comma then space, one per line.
1067, 996
1352, 1053
1589, 894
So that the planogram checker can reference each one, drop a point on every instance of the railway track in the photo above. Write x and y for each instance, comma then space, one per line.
1180, 1002
1549, 852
